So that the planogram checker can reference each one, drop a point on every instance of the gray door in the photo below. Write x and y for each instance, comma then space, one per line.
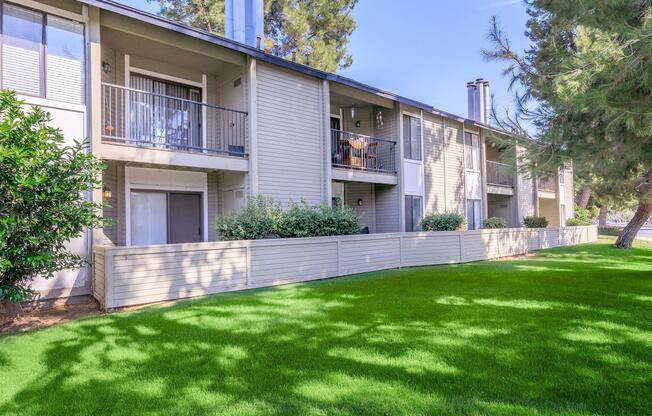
185, 220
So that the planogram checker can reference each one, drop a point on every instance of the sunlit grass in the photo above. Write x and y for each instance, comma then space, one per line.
566, 332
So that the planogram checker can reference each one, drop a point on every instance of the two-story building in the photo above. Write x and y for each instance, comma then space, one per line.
191, 125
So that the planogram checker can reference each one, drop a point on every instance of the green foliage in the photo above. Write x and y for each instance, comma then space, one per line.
535, 222
494, 222
581, 217
319, 28
449, 221
42, 197
265, 218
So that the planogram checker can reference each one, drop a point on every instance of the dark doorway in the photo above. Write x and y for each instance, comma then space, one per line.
185, 218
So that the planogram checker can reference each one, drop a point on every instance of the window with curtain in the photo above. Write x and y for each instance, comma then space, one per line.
474, 214
413, 213
42, 55
472, 151
411, 137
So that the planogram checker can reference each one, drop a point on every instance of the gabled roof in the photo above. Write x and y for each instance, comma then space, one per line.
175, 26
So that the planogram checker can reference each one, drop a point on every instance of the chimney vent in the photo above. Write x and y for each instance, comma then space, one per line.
478, 100
244, 21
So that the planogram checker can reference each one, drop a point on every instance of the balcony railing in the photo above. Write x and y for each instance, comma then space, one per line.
360, 152
499, 174
547, 185
146, 119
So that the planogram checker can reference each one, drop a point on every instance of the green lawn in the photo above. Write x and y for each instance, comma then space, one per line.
566, 332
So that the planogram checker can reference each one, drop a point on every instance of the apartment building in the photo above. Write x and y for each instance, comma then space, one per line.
191, 124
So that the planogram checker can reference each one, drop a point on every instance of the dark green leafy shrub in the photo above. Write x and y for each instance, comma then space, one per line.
494, 222
264, 218
535, 222
43, 204
449, 221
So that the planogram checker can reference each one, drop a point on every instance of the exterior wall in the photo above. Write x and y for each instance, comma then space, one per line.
212, 191
127, 276
387, 205
568, 197
454, 157
290, 136
434, 164
365, 213
549, 208
525, 193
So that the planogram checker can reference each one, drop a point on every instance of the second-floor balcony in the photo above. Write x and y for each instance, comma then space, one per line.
500, 174
157, 121
364, 153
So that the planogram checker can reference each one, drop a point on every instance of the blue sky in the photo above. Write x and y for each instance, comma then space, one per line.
427, 49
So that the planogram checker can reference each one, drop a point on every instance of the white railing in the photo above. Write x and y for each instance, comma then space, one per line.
126, 276
141, 118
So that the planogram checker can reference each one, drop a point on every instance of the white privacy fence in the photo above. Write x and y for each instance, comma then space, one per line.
124, 276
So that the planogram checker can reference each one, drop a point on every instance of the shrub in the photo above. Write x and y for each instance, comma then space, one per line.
43, 202
449, 221
535, 222
265, 218
494, 222
581, 217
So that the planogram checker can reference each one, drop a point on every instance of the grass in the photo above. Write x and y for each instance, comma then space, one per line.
566, 332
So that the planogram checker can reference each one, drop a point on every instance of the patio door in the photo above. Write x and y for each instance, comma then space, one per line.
165, 114
159, 217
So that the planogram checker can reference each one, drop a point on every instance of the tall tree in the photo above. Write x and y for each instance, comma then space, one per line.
586, 88
318, 29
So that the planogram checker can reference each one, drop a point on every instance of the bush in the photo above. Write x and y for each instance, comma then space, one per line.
449, 221
265, 218
494, 222
535, 222
581, 217
43, 202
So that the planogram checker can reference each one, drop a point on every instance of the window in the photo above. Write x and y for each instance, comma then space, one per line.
413, 213
42, 55
472, 151
411, 137
474, 214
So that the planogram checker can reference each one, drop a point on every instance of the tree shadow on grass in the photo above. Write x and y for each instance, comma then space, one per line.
477, 338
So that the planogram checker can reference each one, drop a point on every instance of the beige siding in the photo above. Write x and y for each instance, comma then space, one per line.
524, 192
134, 275
433, 164
273, 264
212, 184
387, 199
365, 213
454, 148
290, 139
110, 211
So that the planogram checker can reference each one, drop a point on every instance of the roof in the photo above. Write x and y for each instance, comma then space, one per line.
175, 26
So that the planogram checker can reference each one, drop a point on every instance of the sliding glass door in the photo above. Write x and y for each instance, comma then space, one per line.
159, 217
165, 114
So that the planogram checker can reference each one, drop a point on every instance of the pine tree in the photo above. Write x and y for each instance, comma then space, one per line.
587, 89
316, 31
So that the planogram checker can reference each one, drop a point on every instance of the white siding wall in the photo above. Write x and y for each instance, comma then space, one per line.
132, 275
388, 218
433, 164
290, 137
524, 193
454, 148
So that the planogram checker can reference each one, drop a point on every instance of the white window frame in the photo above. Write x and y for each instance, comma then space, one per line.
166, 180
202, 86
41, 99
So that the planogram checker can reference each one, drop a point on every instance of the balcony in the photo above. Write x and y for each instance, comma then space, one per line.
151, 121
547, 188
500, 178
363, 158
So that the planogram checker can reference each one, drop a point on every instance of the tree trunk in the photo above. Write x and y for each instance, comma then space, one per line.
586, 195
602, 218
626, 237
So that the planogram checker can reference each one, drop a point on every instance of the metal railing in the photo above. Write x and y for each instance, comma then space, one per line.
147, 119
547, 185
499, 174
360, 152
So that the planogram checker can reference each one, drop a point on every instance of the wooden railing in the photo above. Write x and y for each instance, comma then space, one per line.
499, 174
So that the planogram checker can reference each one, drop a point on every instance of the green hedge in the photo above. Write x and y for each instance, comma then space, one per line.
535, 222
265, 218
581, 217
494, 222
449, 221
